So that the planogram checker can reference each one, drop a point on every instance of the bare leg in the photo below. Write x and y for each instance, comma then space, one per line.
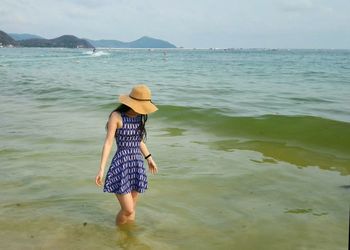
134, 195
127, 208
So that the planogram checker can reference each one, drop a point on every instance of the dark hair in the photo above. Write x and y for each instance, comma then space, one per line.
122, 108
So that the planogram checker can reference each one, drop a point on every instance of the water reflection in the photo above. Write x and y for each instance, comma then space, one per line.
128, 236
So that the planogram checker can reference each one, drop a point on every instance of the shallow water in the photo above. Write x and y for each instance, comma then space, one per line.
253, 149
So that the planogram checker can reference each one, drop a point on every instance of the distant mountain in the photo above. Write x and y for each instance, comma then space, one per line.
6, 40
66, 41
143, 42
70, 41
149, 42
107, 43
25, 36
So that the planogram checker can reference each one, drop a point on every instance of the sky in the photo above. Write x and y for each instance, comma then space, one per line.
187, 23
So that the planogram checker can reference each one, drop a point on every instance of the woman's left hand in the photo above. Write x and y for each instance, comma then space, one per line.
152, 166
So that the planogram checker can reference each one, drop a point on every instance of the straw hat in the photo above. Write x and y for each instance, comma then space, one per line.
139, 100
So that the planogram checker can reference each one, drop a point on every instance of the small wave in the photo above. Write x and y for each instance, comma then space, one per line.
43, 91
310, 100
305, 131
9, 151
308, 132
305, 211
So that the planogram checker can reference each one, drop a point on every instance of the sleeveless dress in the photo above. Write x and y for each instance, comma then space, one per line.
126, 172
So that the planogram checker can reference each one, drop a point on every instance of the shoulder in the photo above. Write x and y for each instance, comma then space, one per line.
115, 115
116, 118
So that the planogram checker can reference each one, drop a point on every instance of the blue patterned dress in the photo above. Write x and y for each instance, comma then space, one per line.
126, 172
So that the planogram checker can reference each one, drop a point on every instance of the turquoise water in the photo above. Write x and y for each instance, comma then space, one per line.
252, 145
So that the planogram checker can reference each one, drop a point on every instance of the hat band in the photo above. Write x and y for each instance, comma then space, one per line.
137, 99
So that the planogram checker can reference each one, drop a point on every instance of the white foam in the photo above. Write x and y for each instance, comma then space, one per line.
95, 54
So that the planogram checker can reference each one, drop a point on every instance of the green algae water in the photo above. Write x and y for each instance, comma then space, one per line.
253, 148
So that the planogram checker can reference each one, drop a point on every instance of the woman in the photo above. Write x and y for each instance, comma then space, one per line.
126, 177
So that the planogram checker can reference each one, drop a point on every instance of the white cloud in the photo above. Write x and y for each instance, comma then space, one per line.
296, 5
197, 23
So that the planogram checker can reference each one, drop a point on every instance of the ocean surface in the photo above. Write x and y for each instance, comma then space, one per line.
253, 148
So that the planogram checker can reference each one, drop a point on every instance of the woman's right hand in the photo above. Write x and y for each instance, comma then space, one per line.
99, 178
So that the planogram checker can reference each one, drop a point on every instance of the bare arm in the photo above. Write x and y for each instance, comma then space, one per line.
151, 163
144, 149
107, 146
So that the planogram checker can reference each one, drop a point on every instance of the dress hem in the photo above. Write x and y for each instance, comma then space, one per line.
127, 192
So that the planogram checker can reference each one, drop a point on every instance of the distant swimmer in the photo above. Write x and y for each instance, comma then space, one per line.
94, 50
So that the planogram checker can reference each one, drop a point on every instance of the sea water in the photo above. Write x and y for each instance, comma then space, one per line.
253, 148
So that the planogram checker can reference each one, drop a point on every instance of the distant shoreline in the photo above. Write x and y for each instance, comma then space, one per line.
189, 49
71, 41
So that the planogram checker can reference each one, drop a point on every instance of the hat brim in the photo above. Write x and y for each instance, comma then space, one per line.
141, 107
